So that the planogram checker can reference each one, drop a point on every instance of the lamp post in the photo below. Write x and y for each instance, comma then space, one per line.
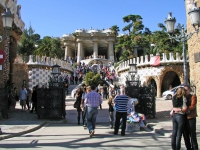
194, 14
56, 79
7, 19
132, 79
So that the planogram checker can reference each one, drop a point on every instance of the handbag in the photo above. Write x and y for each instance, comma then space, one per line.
76, 104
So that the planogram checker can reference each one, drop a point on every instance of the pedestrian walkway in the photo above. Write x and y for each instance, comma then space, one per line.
21, 122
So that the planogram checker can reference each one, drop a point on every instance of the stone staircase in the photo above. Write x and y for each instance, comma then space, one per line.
70, 88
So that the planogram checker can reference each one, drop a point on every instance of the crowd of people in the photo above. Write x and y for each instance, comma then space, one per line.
90, 98
183, 112
105, 72
27, 97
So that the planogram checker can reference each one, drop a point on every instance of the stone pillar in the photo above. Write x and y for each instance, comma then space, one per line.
79, 51
82, 53
68, 51
110, 51
193, 48
95, 49
159, 86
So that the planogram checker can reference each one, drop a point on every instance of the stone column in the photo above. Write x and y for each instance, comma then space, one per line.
79, 51
82, 53
159, 85
95, 49
68, 51
110, 51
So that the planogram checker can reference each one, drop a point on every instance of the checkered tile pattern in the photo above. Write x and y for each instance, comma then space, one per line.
38, 76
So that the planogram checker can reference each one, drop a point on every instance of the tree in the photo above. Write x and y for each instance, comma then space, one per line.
134, 38
92, 79
50, 47
28, 41
162, 41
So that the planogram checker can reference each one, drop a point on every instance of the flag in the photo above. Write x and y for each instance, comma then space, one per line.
155, 61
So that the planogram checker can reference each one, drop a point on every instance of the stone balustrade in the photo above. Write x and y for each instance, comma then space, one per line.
47, 61
143, 61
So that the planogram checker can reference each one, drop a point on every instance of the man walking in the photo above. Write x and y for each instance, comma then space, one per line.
92, 100
121, 102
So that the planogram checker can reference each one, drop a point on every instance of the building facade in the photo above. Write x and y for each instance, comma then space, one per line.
89, 44
193, 51
10, 47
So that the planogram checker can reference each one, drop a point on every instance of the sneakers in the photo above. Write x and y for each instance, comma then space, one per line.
91, 133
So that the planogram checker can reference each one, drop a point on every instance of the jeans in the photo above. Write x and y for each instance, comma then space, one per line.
192, 130
91, 117
111, 117
85, 115
186, 135
120, 115
178, 126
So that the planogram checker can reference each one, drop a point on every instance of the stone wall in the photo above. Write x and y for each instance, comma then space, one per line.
194, 47
20, 73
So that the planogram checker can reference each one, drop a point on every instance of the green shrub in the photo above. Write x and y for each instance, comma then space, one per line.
92, 79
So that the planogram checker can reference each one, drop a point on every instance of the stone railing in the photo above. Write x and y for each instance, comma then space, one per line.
47, 61
143, 61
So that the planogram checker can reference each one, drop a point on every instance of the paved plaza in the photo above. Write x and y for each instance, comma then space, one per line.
24, 130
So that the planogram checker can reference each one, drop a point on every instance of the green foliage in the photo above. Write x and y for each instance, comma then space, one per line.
127, 43
136, 37
50, 47
74, 65
92, 79
116, 65
28, 41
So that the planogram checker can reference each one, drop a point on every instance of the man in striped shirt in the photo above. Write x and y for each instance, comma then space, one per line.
92, 100
121, 102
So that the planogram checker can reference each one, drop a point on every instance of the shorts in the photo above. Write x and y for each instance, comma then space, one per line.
23, 102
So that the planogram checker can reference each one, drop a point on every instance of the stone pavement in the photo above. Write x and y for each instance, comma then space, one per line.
162, 124
22, 122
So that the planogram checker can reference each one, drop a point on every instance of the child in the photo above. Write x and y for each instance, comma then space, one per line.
111, 110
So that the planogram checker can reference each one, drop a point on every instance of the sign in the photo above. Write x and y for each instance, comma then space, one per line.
0, 67
2, 56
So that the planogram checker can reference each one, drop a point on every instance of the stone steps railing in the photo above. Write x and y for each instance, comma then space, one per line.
143, 61
47, 61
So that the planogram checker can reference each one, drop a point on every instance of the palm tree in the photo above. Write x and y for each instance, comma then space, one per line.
115, 30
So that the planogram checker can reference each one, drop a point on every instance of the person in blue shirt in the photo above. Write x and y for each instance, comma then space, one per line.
121, 102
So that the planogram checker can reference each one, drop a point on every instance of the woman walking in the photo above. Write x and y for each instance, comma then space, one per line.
111, 110
179, 101
78, 98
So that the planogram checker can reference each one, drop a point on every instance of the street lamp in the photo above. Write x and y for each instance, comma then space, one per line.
7, 19
56, 79
132, 79
194, 14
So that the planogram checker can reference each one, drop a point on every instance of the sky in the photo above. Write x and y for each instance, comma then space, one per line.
57, 17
